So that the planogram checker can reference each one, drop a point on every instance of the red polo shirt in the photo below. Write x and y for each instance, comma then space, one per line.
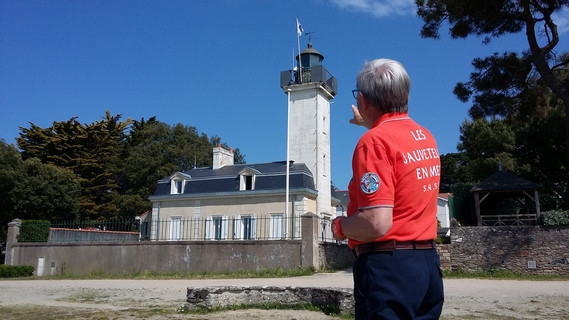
396, 164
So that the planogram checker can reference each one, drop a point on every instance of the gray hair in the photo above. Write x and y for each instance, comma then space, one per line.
385, 85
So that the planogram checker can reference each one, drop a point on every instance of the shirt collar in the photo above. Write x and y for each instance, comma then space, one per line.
392, 116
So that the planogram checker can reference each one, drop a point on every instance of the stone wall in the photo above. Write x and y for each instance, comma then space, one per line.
525, 249
330, 299
158, 256
335, 256
178, 256
444, 255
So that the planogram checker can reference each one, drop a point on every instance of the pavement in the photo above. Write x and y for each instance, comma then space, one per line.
492, 299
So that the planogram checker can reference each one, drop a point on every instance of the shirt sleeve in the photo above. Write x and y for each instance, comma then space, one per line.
373, 176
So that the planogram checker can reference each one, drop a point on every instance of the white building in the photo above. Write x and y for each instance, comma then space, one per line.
248, 201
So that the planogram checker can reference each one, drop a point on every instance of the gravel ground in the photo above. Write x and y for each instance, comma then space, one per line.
160, 299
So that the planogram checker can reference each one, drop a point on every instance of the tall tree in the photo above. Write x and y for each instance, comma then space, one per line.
118, 168
154, 150
30, 189
488, 145
47, 192
454, 169
509, 86
11, 165
89, 151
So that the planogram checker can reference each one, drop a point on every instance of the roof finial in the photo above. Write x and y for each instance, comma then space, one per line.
309, 34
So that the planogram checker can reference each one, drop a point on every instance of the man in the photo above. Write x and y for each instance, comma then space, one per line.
391, 217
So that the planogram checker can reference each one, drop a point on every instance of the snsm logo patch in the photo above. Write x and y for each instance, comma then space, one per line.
370, 183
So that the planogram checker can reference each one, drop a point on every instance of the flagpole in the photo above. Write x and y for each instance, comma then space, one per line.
292, 59
287, 157
298, 34
287, 187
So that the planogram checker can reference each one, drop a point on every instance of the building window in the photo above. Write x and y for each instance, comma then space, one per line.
244, 227
247, 223
215, 228
247, 182
175, 228
248, 227
324, 163
276, 227
177, 187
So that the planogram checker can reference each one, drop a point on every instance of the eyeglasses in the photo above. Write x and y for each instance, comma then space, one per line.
355, 93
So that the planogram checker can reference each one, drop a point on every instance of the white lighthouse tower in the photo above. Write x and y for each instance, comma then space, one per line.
309, 88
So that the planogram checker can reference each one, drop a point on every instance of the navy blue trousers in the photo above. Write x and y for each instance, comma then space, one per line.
399, 284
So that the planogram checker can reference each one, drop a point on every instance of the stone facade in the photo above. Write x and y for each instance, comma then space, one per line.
332, 299
444, 255
334, 256
536, 250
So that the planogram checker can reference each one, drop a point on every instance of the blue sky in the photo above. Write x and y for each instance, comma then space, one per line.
215, 65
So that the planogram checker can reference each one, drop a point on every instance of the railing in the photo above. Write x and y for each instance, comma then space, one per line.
187, 229
310, 74
243, 228
221, 228
95, 231
508, 219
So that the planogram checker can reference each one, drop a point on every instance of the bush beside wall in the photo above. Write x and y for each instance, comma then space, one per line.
556, 218
34, 231
15, 271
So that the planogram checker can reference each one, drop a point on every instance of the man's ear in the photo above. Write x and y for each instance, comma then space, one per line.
365, 105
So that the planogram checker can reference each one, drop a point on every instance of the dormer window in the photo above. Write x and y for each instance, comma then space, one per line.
177, 186
247, 182
247, 178
178, 182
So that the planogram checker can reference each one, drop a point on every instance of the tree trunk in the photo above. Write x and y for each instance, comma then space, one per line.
542, 66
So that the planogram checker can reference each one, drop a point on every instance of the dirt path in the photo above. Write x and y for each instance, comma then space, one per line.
160, 299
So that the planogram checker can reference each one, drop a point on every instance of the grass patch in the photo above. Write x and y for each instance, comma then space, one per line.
264, 306
478, 317
492, 274
89, 295
498, 274
328, 310
58, 313
151, 275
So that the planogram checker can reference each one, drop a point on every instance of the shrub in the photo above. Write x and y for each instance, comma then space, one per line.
556, 218
34, 231
15, 271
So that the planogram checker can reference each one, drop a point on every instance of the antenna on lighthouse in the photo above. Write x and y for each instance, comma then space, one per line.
309, 34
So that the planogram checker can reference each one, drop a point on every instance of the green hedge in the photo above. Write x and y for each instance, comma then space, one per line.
15, 271
556, 218
34, 231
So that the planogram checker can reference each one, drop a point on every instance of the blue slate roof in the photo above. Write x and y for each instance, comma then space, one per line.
269, 176
342, 196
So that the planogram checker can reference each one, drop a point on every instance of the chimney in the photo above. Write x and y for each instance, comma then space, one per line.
222, 157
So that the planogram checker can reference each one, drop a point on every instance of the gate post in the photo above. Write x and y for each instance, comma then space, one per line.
12, 237
310, 256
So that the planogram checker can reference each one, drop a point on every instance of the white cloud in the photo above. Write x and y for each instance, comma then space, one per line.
561, 19
379, 8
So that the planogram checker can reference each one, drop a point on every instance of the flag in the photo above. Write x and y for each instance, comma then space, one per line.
299, 29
